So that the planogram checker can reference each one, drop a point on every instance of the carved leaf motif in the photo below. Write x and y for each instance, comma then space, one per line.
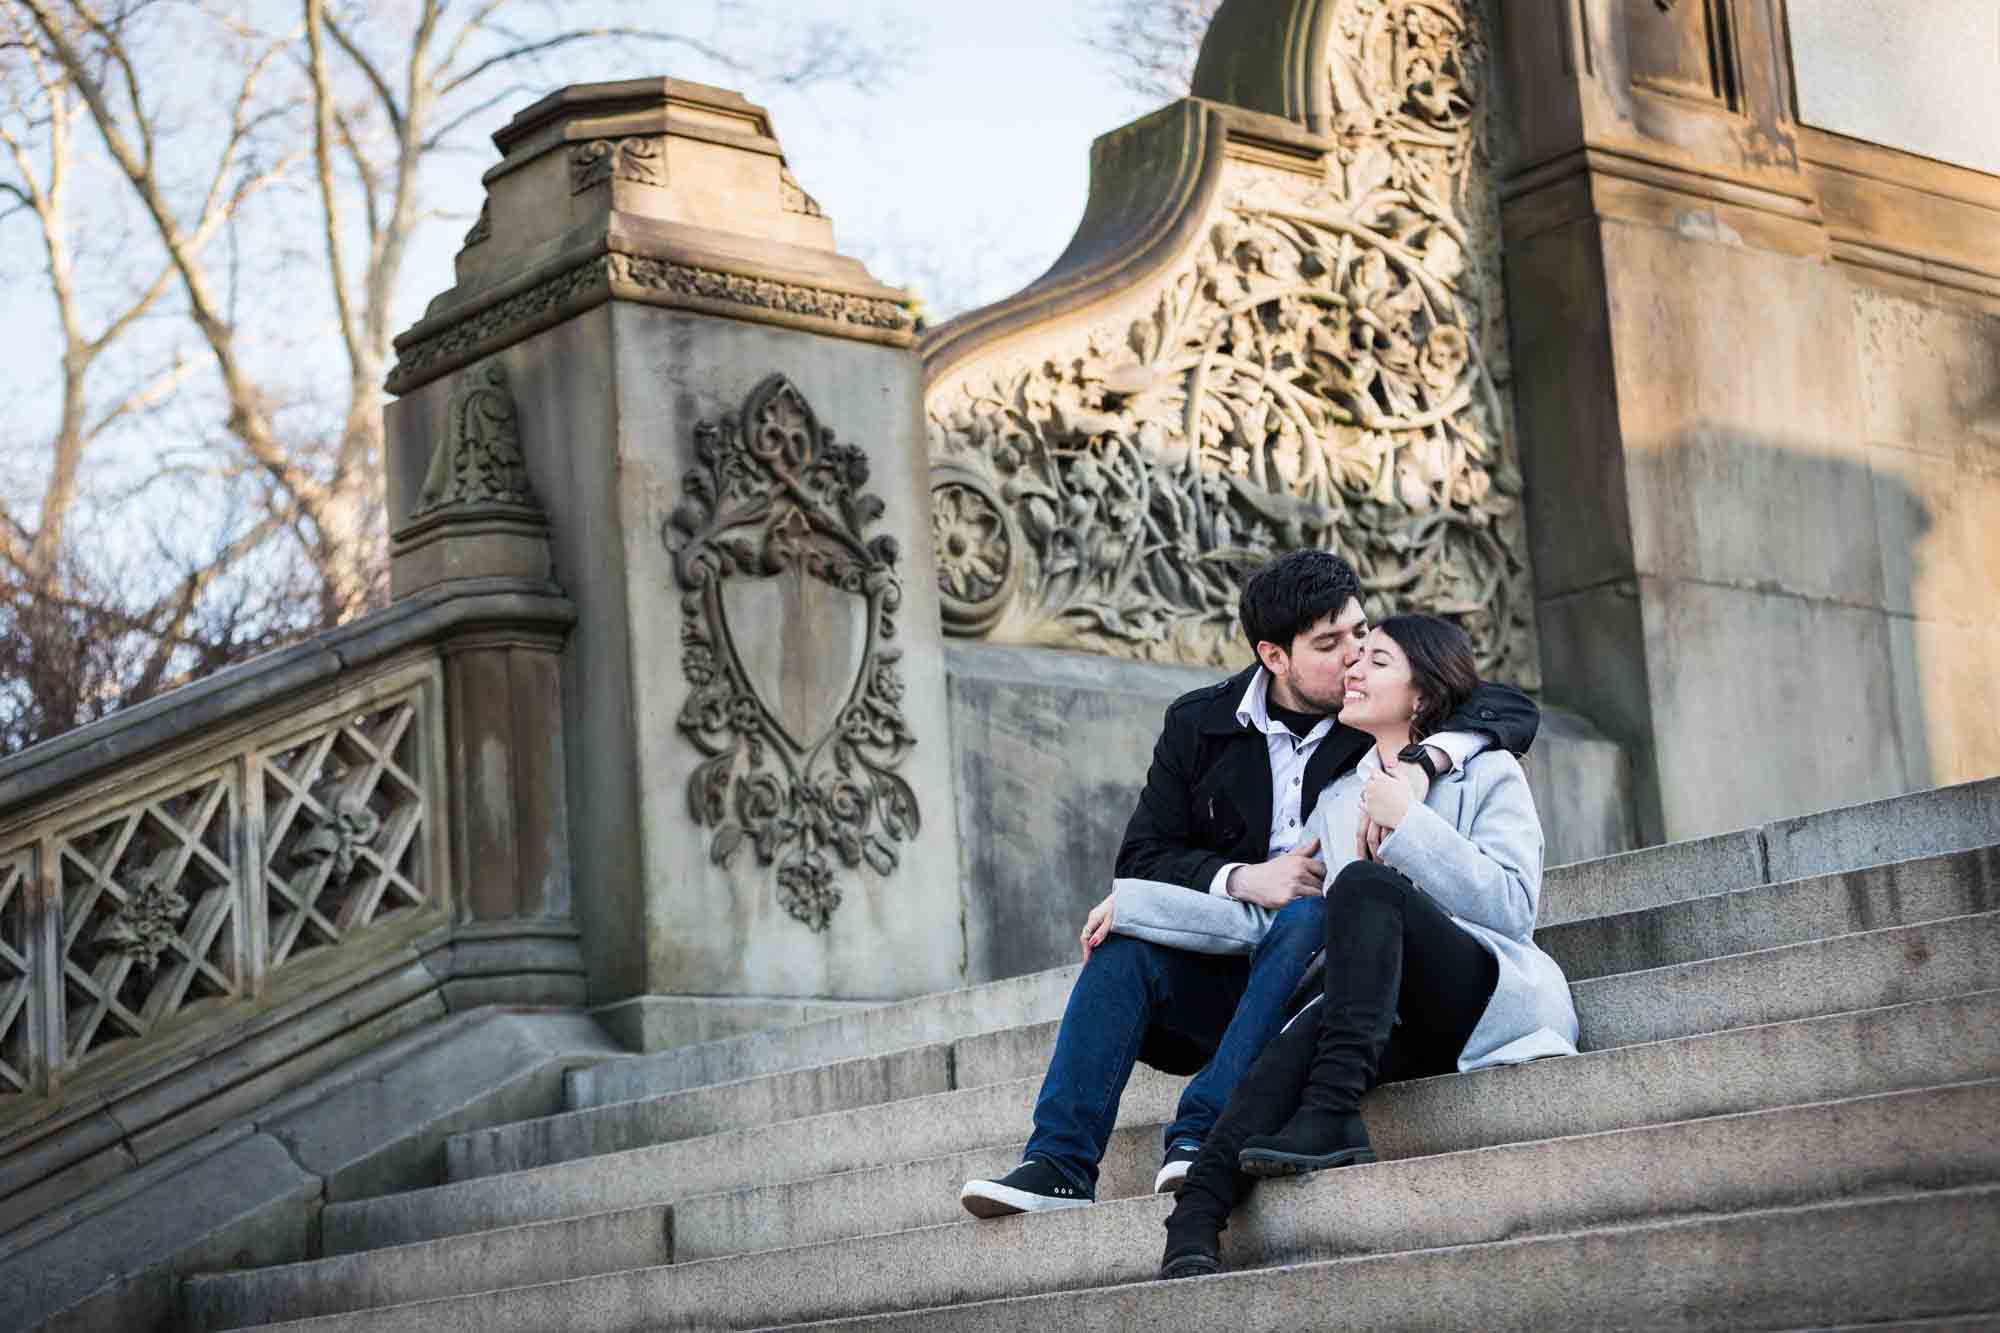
1323, 371
774, 492
478, 464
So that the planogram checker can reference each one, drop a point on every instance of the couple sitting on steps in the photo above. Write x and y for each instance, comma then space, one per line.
1399, 842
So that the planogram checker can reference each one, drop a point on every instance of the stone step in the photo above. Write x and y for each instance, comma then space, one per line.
791, 1095
453, 1266
1840, 1055
1694, 899
1849, 1266
1861, 971
1936, 1139
1769, 915
921, 1021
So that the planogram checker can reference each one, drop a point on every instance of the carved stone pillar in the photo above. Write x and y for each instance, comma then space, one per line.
721, 416
475, 520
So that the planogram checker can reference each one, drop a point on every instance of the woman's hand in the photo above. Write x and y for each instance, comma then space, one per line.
1097, 925
1385, 800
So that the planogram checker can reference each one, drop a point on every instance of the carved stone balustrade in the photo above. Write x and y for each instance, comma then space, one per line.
223, 881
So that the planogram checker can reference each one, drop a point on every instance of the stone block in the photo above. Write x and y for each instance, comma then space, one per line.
1798, 1156
1897, 965
1669, 873
1582, 781
1805, 686
381, 1122
1033, 998
245, 1203
1944, 700
519, 1256
1940, 546
796, 1094
1827, 1264
1926, 823
1049, 751
1825, 1058
653, 1023
1774, 915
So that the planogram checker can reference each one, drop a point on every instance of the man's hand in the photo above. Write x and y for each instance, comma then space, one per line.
1097, 925
1273, 883
1368, 830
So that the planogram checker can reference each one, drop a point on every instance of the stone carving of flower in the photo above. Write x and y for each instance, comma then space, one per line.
971, 540
698, 664
888, 683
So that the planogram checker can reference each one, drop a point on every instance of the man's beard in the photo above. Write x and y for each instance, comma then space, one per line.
1323, 707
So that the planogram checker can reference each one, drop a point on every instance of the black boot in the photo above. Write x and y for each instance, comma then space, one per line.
1355, 1013
1194, 1247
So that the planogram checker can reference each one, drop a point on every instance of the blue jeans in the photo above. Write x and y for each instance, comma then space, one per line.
1228, 1006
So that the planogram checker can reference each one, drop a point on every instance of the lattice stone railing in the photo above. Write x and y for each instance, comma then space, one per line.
170, 899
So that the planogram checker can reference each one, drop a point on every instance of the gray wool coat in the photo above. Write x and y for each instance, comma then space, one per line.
1474, 845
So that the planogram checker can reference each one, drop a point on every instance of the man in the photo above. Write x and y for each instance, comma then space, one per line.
1236, 772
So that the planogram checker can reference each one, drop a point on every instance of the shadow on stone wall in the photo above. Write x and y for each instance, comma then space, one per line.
1789, 643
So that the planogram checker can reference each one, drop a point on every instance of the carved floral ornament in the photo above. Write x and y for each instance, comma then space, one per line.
148, 922
773, 495
1315, 375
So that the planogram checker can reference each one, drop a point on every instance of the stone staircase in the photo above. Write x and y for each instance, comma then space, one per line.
1784, 1118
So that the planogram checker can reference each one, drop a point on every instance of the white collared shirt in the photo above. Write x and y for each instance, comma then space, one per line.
1289, 756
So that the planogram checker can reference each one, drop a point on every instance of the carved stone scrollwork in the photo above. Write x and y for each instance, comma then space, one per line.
149, 922
1321, 369
638, 159
478, 465
774, 495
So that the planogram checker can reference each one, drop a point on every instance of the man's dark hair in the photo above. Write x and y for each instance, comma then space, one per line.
1442, 667
1293, 593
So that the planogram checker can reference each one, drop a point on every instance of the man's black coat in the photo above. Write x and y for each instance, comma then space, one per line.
1207, 800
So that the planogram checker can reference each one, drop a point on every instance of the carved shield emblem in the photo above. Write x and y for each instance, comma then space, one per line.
787, 616
802, 643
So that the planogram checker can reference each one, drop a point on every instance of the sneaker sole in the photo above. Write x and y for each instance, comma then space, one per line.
986, 1198
1172, 1176
1266, 1163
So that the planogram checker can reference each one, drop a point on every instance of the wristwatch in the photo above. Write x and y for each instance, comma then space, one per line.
1420, 755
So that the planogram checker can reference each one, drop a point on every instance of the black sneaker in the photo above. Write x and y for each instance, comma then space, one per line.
1190, 1263
1174, 1168
1032, 1187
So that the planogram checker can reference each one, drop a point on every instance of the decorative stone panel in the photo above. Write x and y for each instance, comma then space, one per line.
150, 923
202, 875
344, 811
1321, 365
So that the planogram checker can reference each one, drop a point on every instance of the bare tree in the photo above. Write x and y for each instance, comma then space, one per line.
1150, 46
292, 209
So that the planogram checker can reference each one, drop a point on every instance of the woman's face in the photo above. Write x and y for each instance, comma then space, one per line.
1379, 692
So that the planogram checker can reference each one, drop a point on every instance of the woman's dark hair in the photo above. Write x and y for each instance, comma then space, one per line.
1293, 593
1442, 667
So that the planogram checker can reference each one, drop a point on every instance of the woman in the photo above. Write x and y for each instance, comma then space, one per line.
1430, 963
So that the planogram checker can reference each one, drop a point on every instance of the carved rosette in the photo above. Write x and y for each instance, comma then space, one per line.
638, 158
774, 494
478, 465
1321, 371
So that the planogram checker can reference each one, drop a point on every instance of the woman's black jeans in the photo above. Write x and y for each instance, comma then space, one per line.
1404, 988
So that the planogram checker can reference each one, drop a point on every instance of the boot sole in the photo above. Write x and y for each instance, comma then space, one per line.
1266, 1163
1190, 1265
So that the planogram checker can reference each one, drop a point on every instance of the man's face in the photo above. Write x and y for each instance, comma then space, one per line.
1309, 677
